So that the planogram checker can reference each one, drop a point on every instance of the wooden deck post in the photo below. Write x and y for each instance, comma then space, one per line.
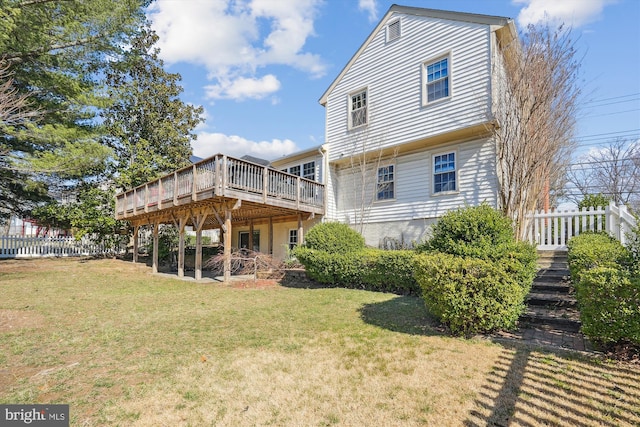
270, 249
182, 223
198, 274
198, 223
227, 244
136, 229
300, 230
250, 235
154, 264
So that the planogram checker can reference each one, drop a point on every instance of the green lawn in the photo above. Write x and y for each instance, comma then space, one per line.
124, 347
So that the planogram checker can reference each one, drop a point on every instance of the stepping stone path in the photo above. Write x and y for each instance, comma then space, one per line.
552, 318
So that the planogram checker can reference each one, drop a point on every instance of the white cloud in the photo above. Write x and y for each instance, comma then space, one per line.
243, 88
573, 13
225, 37
209, 144
370, 7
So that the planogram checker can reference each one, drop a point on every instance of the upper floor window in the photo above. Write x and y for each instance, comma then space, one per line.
358, 109
393, 31
309, 170
295, 170
385, 183
436, 77
444, 173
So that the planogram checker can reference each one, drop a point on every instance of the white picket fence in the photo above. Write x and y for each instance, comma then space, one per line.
35, 247
552, 230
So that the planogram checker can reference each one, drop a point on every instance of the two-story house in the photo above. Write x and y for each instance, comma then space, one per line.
409, 123
409, 136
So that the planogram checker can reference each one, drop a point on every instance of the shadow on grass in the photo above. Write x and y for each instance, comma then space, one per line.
530, 388
406, 314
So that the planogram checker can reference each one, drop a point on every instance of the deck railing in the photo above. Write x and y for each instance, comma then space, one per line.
552, 230
222, 176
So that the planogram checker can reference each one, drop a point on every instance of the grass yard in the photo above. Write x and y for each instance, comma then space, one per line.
124, 347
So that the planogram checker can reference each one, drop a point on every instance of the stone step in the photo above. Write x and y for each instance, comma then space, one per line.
564, 319
550, 300
546, 255
551, 287
553, 264
553, 273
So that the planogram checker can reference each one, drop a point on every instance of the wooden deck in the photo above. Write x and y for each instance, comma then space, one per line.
213, 183
216, 193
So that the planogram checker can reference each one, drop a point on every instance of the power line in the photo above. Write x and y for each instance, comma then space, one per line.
611, 98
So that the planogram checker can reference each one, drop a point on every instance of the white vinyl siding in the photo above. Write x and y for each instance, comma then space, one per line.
475, 180
393, 74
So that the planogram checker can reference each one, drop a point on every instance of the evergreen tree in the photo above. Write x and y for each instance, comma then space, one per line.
53, 54
149, 127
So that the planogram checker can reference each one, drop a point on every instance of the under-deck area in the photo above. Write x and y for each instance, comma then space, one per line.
219, 192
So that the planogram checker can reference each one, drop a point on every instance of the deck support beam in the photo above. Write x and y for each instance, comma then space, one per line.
136, 242
180, 224
198, 223
270, 248
227, 245
300, 230
154, 262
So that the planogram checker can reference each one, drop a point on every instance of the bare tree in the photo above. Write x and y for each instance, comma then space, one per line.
366, 159
535, 110
613, 171
13, 106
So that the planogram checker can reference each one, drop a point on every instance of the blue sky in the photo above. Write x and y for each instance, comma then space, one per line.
258, 67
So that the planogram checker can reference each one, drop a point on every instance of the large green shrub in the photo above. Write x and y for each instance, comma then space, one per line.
590, 250
333, 237
609, 300
372, 269
476, 276
478, 231
470, 295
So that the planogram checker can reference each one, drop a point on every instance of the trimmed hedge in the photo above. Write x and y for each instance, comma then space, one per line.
609, 300
371, 269
333, 237
477, 275
470, 295
478, 231
607, 288
590, 250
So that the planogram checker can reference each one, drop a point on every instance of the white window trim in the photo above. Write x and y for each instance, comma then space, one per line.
349, 111
423, 70
395, 187
433, 173
388, 37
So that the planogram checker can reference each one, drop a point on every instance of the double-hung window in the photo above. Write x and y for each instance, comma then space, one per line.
386, 180
437, 79
358, 109
444, 173
293, 238
295, 170
309, 170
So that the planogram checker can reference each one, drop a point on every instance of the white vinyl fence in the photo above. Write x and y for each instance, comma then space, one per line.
552, 230
34, 247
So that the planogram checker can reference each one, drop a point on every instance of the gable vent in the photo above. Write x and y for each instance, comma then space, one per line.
393, 31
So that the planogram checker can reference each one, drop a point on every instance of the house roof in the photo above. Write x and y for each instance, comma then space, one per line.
296, 156
490, 20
